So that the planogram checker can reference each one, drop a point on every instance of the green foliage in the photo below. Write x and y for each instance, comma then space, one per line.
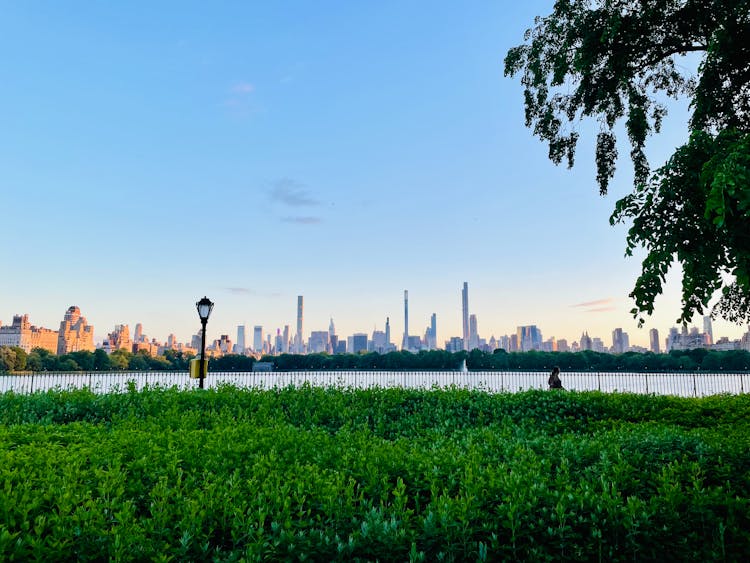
12, 358
435, 360
618, 61
391, 475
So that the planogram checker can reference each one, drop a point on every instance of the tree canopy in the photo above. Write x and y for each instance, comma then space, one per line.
619, 61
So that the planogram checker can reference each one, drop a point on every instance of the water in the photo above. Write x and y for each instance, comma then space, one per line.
678, 384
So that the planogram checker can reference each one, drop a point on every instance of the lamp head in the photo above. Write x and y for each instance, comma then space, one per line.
204, 307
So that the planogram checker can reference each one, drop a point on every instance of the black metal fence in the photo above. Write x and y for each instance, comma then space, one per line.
696, 384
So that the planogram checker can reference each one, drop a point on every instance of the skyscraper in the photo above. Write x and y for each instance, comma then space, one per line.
465, 314
138, 332
240, 339
299, 348
285, 340
387, 331
617, 343
529, 338
75, 333
432, 344
258, 339
708, 330
654, 340
405, 343
473, 333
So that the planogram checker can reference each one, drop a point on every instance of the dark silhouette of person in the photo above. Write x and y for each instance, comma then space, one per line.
554, 379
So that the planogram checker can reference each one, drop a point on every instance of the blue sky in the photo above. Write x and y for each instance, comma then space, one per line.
152, 153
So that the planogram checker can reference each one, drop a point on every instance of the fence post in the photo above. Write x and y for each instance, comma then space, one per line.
742, 386
32, 382
695, 388
646, 375
599, 381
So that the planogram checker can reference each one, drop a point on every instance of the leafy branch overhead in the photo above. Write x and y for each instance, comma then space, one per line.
617, 61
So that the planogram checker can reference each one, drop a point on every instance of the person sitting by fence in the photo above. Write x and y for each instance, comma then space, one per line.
554, 380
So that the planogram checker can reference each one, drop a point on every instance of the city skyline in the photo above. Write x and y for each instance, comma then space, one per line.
527, 337
255, 153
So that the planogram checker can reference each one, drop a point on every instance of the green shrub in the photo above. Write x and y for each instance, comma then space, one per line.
393, 475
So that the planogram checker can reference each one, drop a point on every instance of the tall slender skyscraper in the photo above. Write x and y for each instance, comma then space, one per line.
465, 313
708, 330
654, 340
405, 343
433, 332
473, 333
387, 331
241, 339
258, 339
298, 338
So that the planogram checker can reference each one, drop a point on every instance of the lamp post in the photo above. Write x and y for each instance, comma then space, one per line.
204, 307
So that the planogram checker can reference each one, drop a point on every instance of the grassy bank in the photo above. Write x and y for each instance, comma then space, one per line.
393, 475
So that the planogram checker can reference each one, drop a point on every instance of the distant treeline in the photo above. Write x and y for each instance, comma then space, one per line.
15, 359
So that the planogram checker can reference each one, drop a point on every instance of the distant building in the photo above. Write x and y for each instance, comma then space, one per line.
512, 343
239, 347
279, 344
473, 333
529, 338
745, 342
620, 341
118, 339
378, 344
222, 346
415, 344
358, 343
431, 333
455, 344
299, 347
723, 344
708, 330
26, 336
585, 343
258, 339
318, 342
562, 345
75, 333
465, 314
653, 335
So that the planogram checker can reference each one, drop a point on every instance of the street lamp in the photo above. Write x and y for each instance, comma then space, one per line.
204, 307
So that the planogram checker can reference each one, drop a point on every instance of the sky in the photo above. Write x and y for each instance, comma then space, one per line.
154, 153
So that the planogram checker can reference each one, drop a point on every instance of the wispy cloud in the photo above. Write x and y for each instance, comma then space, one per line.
248, 291
292, 193
243, 88
239, 100
302, 220
588, 304
600, 309
240, 290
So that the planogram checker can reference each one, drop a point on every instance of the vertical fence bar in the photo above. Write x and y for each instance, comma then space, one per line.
695, 387
646, 377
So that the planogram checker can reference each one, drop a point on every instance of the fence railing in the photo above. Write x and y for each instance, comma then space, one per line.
696, 384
